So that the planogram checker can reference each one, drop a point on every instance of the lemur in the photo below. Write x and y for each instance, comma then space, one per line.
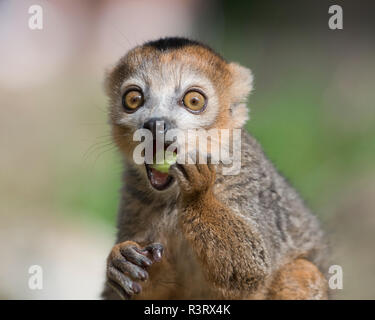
194, 233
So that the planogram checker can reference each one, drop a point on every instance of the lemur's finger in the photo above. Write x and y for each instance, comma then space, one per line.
134, 255
204, 170
178, 172
118, 289
130, 269
182, 171
211, 167
192, 172
123, 281
207, 164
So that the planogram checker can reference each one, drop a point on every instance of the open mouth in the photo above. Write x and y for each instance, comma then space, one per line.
159, 179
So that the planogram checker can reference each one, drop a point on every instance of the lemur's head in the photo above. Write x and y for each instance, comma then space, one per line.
181, 82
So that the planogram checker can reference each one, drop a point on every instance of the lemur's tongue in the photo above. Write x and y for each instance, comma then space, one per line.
158, 178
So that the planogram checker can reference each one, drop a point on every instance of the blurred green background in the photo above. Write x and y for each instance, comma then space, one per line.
312, 110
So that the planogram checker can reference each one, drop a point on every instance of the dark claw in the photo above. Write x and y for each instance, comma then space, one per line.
156, 250
136, 288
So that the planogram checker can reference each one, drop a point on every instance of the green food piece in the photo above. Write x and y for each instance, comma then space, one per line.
164, 167
170, 158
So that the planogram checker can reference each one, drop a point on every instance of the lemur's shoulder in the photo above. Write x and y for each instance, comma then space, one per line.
263, 197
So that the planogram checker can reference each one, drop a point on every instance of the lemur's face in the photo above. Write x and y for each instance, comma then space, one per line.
186, 86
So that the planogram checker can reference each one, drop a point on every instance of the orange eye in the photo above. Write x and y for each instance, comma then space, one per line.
195, 101
132, 100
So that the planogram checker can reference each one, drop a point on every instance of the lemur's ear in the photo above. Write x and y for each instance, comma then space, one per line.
114, 76
110, 74
241, 87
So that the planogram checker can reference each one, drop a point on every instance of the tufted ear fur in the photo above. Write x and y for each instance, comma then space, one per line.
112, 82
242, 85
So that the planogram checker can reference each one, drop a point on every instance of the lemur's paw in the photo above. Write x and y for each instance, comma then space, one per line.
194, 179
127, 263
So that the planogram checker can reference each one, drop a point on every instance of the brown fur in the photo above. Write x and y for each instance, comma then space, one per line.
298, 280
224, 237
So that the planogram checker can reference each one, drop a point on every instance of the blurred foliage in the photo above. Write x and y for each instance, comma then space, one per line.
294, 133
94, 193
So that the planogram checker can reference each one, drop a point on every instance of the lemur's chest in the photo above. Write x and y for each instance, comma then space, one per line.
181, 276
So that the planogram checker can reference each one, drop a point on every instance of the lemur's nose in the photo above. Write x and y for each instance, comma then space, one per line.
157, 126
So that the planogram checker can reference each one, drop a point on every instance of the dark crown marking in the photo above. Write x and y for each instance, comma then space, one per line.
174, 43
